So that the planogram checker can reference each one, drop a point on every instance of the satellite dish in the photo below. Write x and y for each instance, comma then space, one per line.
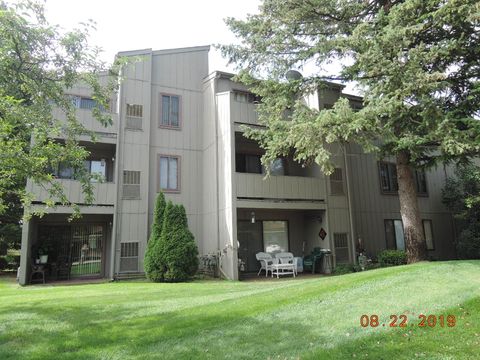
293, 75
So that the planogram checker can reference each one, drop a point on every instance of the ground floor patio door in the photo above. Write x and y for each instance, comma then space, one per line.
250, 243
260, 236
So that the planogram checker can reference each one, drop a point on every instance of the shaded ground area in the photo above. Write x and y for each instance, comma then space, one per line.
305, 318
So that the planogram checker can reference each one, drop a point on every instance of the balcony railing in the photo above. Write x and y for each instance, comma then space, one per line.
280, 187
85, 117
104, 192
244, 113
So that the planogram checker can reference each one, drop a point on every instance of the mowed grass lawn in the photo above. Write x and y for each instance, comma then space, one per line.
315, 318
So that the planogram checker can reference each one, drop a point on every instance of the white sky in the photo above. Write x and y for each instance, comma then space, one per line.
157, 24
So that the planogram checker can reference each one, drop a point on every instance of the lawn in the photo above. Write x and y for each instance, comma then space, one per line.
280, 319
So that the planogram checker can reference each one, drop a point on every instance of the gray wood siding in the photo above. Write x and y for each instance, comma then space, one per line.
226, 210
104, 193
85, 117
279, 187
209, 193
244, 113
371, 207
132, 215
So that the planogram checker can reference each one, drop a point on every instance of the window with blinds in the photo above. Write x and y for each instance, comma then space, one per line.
336, 182
169, 173
389, 183
134, 117
428, 232
170, 111
82, 102
340, 241
131, 185
129, 257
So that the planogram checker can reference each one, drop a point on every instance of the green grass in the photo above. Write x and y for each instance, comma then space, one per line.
85, 269
286, 319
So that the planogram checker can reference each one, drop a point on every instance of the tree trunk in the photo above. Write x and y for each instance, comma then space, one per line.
412, 223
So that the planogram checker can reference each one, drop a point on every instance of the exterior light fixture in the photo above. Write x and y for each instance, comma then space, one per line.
252, 217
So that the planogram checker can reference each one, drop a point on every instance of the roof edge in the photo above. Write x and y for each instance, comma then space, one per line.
163, 51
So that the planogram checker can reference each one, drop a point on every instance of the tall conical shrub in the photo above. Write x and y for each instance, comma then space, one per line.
178, 250
152, 262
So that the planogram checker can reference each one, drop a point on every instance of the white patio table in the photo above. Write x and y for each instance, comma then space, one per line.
283, 269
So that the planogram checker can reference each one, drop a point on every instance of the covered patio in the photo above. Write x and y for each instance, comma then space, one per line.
278, 230
59, 250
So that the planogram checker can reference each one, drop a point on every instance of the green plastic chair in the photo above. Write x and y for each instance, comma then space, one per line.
313, 260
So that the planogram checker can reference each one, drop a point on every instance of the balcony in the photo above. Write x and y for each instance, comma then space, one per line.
279, 187
104, 192
289, 180
242, 110
106, 134
100, 161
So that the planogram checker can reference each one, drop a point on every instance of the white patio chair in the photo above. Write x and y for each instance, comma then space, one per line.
266, 262
287, 258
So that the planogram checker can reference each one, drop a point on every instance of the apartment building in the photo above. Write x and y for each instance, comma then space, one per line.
178, 129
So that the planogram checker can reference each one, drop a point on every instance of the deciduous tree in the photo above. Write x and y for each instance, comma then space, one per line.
39, 63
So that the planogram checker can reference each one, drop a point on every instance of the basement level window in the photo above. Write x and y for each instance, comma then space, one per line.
129, 257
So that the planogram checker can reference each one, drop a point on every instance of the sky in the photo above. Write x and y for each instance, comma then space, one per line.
158, 24
124, 25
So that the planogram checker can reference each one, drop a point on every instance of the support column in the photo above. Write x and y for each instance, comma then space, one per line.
25, 254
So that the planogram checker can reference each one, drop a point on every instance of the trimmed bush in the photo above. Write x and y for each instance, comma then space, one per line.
178, 250
468, 246
13, 262
392, 258
172, 254
342, 269
152, 262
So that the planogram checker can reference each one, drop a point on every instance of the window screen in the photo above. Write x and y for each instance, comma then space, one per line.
134, 117
131, 185
336, 182
129, 257
341, 247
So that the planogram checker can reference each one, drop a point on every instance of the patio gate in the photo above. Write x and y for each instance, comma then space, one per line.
76, 251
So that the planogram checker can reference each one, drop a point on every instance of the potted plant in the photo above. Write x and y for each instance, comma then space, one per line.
42, 252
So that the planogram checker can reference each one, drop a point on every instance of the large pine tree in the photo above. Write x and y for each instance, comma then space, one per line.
417, 63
